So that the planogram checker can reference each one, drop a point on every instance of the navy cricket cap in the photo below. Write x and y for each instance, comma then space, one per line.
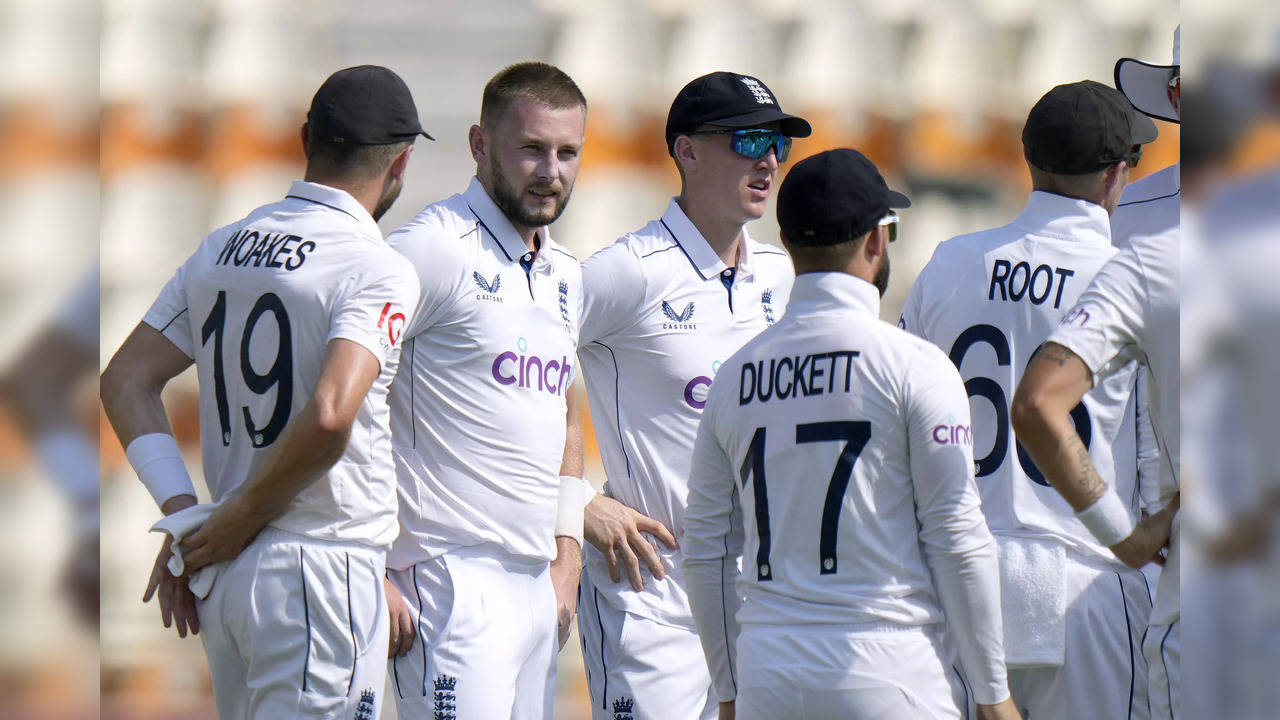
364, 105
833, 197
728, 100
1083, 127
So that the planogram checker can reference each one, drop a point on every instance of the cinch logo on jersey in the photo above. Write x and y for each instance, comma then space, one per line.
488, 290
695, 393
524, 371
795, 376
1079, 314
950, 433
679, 320
273, 250
766, 302
1019, 281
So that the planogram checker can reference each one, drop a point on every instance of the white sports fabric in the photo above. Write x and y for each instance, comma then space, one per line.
256, 306
297, 627
661, 312
988, 300
486, 638
640, 666
1163, 648
872, 673
837, 439
1147, 205
1104, 672
1130, 312
478, 408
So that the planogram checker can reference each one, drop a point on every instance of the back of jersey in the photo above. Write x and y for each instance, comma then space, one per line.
256, 307
988, 300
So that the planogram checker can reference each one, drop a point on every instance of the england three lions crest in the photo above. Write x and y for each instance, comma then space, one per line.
766, 303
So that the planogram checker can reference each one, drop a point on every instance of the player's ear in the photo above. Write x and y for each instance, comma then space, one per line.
876, 243
684, 151
479, 144
401, 163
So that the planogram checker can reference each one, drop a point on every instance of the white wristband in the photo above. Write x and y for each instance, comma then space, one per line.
159, 465
1108, 519
574, 495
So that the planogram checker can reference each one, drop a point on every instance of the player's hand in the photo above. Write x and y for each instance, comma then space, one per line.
402, 631
727, 710
1000, 711
566, 570
615, 530
1149, 538
227, 531
177, 603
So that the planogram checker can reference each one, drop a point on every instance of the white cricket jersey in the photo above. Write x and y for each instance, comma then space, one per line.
988, 300
478, 408
256, 307
839, 446
1148, 205
1130, 312
661, 312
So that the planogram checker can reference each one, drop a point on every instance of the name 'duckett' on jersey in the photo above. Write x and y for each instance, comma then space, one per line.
794, 376
273, 250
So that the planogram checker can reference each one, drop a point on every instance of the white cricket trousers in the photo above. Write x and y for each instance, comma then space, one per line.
1104, 673
639, 669
1163, 648
879, 671
486, 641
296, 627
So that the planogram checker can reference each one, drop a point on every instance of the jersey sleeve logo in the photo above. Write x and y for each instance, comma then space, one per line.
394, 323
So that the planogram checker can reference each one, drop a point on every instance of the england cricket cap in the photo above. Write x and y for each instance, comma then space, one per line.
728, 100
1147, 85
1083, 127
364, 105
833, 197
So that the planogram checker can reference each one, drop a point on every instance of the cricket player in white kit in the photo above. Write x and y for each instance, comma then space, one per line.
664, 306
293, 317
1074, 615
834, 456
479, 417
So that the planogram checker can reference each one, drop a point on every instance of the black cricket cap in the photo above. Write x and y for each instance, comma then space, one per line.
1083, 127
364, 105
834, 197
728, 100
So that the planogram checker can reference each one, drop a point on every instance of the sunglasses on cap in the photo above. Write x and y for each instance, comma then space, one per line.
755, 143
890, 221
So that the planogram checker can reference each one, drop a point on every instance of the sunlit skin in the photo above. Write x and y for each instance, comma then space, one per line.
528, 162
724, 190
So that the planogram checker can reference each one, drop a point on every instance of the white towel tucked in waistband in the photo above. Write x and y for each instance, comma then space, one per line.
1033, 600
179, 525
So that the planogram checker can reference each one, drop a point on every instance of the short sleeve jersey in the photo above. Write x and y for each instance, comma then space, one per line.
478, 407
1131, 312
256, 307
846, 442
988, 300
662, 312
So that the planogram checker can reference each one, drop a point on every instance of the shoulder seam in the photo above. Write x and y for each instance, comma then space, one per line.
1139, 202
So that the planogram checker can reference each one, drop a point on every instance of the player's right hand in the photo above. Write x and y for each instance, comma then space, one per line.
1000, 711
1149, 538
615, 530
401, 621
177, 602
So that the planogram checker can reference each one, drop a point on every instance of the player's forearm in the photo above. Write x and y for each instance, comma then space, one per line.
132, 404
714, 602
1050, 437
305, 451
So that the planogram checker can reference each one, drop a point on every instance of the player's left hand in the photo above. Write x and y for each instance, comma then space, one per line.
566, 570
177, 602
1149, 538
227, 531
727, 710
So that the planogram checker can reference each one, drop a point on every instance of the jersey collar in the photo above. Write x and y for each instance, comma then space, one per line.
826, 291
704, 260
339, 200
1066, 218
495, 222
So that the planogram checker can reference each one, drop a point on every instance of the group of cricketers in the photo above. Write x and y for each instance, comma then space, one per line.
794, 523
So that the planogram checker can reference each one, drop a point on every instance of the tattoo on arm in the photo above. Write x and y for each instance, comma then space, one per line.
1088, 482
1054, 352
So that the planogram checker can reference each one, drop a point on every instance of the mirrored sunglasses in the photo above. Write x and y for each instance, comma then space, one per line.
755, 143
890, 221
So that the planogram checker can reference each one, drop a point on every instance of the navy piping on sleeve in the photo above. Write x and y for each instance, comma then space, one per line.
306, 612
566, 254
724, 617
672, 246
1139, 202
617, 403
175, 317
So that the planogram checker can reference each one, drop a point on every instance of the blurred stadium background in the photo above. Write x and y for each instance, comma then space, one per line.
133, 127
